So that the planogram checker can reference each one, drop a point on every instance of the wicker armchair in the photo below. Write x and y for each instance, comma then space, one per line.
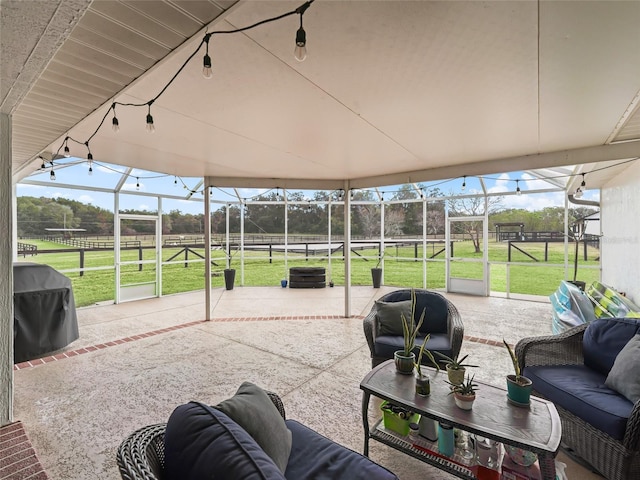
141, 454
613, 459
455, 327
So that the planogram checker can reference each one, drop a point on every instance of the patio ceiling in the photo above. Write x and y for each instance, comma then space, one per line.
391, 92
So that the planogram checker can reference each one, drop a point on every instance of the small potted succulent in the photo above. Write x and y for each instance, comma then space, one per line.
464, 394
518, 386
423, 385
405, 359
456, 369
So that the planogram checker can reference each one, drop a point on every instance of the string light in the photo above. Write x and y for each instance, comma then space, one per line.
43, 166
583, 185
578, 193
137, 183
175, 181
464, 183
300, 52
67, 152
52, 175
150, 126
115, 125
518, 191
206, 61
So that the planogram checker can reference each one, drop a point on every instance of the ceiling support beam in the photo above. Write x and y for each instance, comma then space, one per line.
578, 156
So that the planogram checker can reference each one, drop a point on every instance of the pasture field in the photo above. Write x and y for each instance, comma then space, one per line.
401, 268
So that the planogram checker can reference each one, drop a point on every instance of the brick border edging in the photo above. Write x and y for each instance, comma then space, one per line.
19, 459
92, 348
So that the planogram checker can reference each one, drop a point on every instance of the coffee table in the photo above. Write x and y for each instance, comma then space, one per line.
535, 428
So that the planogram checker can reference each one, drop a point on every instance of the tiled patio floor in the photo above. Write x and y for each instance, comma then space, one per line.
135, 362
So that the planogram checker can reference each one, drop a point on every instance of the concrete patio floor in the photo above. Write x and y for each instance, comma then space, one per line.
135, 362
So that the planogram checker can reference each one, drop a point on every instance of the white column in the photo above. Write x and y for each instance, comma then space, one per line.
6, 273
347, 250
207, 248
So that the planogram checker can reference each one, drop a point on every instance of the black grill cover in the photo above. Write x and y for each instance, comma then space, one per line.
44, 311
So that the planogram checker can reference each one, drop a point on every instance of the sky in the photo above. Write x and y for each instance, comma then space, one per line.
76, 172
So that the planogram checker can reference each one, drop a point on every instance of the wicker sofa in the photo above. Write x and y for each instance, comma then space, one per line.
599, 424
442, 322
144, 454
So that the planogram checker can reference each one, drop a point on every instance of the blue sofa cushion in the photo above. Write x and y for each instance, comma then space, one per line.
604, 338
390, 314
582, 391
202, 442
253, 410
435, 308
314, 456
386, 345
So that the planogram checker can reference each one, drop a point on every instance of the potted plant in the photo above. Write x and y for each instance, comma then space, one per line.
229, 273
464, 393
376, 272
405, 359
456, 369
577, 234
423, 385
518, 386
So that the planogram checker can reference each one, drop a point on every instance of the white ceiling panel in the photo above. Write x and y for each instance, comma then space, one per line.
390, 90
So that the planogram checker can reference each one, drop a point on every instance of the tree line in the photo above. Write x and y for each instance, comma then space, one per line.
304, 216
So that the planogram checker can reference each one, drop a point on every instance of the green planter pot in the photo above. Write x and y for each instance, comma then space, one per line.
456, 377
519, 392
404, 364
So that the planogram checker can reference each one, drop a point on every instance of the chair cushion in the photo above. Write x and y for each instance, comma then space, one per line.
385, 346
624, 377
436, 318
314, 456
389, 315
203, 442
582, 391
253, 410
604, 338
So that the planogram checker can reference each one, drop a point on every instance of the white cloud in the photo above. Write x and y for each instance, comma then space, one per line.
61, 195
144, 207
85, 199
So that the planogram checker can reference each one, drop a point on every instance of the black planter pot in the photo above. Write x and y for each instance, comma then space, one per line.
229, 278
579, 283
376, 276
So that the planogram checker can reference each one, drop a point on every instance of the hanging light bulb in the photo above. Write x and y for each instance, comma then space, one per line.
90, 166
300, 52
137, 183
583, 185
43, 166
67, 153
175, 181
206, 61
150, 126
518, 191
52, 175
464, 183
115, 125
578, 193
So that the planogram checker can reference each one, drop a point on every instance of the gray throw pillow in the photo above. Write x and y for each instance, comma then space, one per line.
623, 377
253, 410
390, 316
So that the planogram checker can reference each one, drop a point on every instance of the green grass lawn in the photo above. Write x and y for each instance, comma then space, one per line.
401, 268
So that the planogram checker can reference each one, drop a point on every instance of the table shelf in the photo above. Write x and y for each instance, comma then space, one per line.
426, 454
